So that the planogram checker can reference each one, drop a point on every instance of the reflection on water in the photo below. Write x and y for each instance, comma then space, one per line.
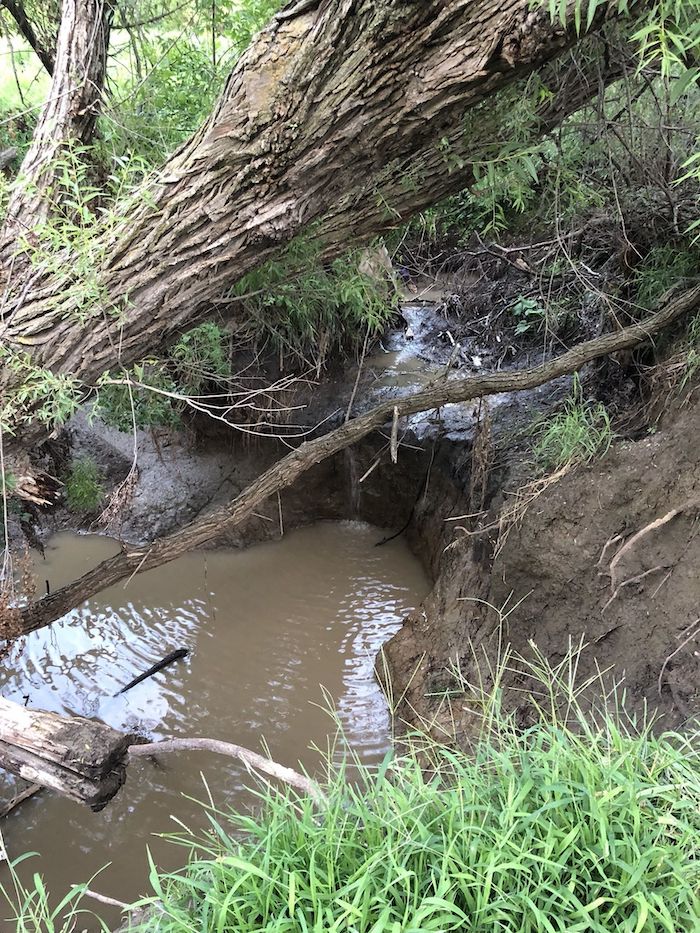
266, 627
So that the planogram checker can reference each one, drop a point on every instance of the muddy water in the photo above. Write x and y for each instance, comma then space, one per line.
265, 627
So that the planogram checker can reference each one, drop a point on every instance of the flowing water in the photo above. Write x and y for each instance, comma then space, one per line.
267, 628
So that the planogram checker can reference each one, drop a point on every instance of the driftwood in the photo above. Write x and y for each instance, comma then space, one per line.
252, 760
76, 757
87, 760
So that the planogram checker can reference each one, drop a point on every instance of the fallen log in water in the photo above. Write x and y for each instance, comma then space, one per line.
87, 760
76, 757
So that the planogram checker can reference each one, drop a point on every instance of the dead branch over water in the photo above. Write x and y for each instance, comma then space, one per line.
285, 472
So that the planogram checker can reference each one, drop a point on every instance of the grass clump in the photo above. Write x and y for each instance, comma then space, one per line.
305, 308
83, 486
576, 435
566, 826
581, 822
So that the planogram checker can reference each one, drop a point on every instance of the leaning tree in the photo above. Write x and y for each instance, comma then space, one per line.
341, 120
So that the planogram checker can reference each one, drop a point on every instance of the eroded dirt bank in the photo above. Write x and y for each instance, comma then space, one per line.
610, 553
607, 554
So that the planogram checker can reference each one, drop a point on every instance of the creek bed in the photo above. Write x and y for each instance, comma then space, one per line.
266, 627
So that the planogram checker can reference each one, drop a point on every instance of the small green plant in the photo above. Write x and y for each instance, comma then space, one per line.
40, 394
691, 366
529, 313
141, 398
84, 489
305, 308
578, 434
8, 483
662, 268
201, 356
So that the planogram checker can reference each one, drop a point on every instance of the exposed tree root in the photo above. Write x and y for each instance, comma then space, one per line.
616, 585
636, 579
286, 471
693, 631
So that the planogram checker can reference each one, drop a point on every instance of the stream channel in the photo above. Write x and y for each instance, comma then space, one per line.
267, 628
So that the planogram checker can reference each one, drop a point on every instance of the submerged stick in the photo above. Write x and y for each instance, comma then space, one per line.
168, 659
251, 759
19, 798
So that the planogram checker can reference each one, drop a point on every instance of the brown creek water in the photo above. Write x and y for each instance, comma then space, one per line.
267, 628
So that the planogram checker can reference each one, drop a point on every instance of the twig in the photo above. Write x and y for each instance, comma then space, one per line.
112, 901
357, 378
252, 760
19, 798
395, 436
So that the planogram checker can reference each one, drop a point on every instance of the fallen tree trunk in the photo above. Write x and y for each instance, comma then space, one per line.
132, 560
86, 760
76, 757
343, 119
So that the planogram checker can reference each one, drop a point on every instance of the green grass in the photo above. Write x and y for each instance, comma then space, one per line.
577, 434
83, 486
582, 822
565, 826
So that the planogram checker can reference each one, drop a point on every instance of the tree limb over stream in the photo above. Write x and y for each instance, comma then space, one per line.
207, 528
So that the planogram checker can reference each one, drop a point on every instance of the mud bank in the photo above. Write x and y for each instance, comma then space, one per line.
608, 555
560, 574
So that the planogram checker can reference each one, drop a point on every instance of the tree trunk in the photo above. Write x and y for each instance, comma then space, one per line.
76, 757
203, 530
68, 118
343, 119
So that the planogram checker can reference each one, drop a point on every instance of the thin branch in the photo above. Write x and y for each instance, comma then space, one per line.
19, 15
252, 760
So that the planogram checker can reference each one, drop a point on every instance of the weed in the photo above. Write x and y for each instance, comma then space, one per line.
84, 489
305, 308
529, 313
661, 269
201, 356
691, 362
41, 395
578, 434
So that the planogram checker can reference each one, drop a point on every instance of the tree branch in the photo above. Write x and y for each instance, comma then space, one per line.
285, 472
19, 15
251, 759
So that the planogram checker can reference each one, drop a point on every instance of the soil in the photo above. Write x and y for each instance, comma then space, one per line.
637, 613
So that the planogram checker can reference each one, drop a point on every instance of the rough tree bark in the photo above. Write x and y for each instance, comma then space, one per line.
203, 530
68, 117
343, 118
